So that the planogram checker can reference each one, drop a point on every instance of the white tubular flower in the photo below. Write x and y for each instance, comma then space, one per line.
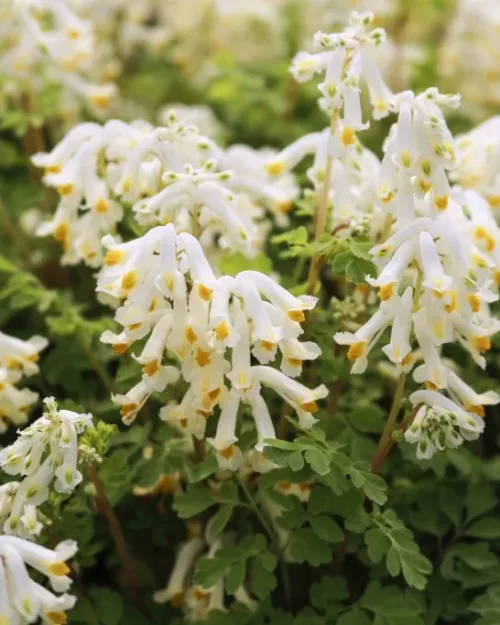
175, 590
45, 452
345, 62
440, 423
15, 353
51, 40
479, 161
211, 326
21, 599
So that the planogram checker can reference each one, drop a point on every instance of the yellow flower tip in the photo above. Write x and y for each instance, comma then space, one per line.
296, 315
294, 362
60, 569
284, 207
453, 302
479, 261
151, 368
52, 169
408, 360
275, 168
190, 335
169, 282
202, 357
430, 386
406, 159
129, 280
309, 406
127, 185
204, 292
474, 301
284, 487
494, 201
438, 329
177, 600
57, 617
356, 350
73, 34
475, 409
348, 136
490, 243
128, 412
199, 595
100, 101
167, 484
496, 277
267, 346
386, 291
204, 413
14, 363
35, 357
424, 185
222, 330
228, 452
2, 387
102, 205
114, 257
480, 232
65, 189
183, 423
386, 198
482, 343
214, 393
61, 232
441, 202
134, 326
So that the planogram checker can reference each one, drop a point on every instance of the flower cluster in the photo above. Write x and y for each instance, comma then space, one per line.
168, 174
181, 591
23, 600
345, 59
172, 296
48, 36
436, 273
45, 452
17, 358
479, 161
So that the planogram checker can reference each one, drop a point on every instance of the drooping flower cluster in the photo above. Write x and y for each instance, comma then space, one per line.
479, 161
45, 452
345, 58
181, 591
476, 73
48, 38
168, 174
213, 327
436, 273
23, 600
17, 358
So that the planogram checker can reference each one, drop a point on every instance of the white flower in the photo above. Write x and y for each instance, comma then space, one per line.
176, 587
211, 326
23, 600
440, 423
46, 452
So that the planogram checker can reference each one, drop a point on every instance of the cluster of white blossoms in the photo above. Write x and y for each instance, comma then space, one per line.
18, 358
181, 591
23, 600
476, 73
169, 174
341, 163
45, 40
213, 327
437, 273
45, 453
479, 161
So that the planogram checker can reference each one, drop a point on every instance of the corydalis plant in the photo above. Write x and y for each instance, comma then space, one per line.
45, 453
212, 327
168, 174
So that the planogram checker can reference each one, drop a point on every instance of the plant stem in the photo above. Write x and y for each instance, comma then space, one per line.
393, 414
105, 509
264, 522
101, 372
321, 217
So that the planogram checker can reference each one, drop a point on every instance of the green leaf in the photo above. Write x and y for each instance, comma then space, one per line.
194, 500
306, 546
219, 521
210, 570
391, 606
204, 469
373, 485
235, 263
108, 605
318, 460
480, 498
354, 617
236, 576
327, 529
262, 578
488, 606
484, 528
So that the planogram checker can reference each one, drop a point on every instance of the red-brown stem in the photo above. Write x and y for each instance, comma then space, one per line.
105, 509
376, 465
